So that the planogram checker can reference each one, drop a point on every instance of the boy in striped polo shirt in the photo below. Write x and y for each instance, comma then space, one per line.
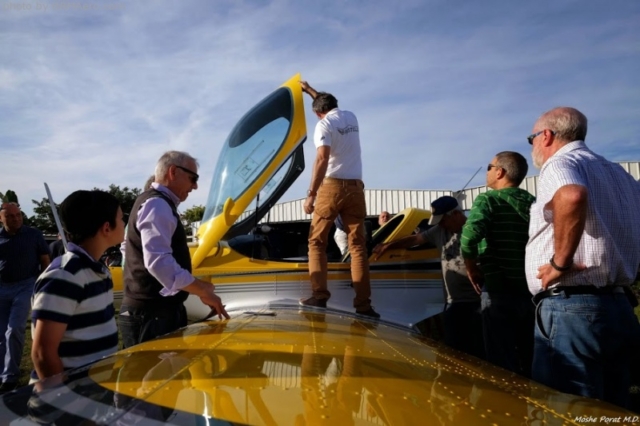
72, 306
493, 246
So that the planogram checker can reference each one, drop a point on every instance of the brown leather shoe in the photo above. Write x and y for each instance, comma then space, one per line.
313, 302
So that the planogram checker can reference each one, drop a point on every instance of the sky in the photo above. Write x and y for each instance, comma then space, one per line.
93, 92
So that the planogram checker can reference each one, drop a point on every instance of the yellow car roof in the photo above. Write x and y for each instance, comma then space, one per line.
299, 366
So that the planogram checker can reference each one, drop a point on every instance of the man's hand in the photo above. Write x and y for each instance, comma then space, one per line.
474, 274
550, 275
380, 249
214, 302
205, 291
308, 89
308, 204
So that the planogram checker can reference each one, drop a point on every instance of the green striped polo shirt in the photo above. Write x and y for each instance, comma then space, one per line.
496, 234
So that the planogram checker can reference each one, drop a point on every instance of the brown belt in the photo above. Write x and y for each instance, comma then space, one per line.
343, 182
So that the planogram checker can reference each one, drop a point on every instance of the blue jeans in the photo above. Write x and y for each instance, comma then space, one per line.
463, 328
15, 303
584, 345
507, 324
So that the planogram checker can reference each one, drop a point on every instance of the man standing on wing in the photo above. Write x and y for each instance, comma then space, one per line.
583, 252
336, 189
157, 275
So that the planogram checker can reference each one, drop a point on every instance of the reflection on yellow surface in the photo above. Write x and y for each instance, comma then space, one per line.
302, 367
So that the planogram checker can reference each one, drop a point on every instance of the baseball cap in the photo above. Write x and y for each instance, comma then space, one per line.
440, 207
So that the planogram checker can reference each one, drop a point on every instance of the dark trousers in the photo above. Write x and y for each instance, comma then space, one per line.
463, 328
508, 322
139, 325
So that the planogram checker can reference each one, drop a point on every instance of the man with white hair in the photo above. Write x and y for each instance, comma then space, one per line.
157, 276
583, 253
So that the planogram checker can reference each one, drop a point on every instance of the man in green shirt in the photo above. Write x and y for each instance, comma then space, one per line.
493, 247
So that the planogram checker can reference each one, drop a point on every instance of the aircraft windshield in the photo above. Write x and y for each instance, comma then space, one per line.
249, 149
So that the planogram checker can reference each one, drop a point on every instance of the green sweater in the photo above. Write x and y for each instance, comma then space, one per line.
496, 234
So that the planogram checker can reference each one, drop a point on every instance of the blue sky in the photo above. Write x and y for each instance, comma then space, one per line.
92, 93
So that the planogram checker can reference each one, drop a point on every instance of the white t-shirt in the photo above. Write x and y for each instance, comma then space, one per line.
339, 130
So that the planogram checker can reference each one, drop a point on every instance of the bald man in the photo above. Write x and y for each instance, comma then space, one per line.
24, 254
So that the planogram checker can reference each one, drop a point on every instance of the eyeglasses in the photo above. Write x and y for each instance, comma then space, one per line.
193, 176
531, 137
490, 166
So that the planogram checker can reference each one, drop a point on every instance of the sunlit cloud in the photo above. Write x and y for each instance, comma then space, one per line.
93, 97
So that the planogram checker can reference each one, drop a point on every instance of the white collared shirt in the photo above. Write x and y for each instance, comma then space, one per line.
610, 244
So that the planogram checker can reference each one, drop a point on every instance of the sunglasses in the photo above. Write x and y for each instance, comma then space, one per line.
531, 137
193, 176
491, 166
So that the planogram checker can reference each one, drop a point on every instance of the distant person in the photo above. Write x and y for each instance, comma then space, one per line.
56, 248
493, 247
72, 306
336, 189
157, 276
24, 254
148, 182
340, 237
384, 217
462, 319
583, 252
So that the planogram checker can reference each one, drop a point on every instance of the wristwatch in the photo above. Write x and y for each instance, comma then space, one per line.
311, 193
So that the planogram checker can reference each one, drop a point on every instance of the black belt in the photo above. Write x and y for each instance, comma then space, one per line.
578, 289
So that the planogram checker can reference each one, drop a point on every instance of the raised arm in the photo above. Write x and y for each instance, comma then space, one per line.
308, 89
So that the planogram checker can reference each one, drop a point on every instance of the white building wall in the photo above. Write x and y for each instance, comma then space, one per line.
395, 200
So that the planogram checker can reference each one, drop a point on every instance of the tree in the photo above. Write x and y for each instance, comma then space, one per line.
9, 197
125, 195
43, 217
191, 215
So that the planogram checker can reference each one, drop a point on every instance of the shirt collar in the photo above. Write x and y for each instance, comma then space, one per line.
571, 146
166, 191
79, 251
4, 232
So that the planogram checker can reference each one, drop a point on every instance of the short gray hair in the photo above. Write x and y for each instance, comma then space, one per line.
568, 123
514, 165
177, 158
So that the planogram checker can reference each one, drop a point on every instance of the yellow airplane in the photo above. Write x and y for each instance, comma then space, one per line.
276, 363
254, 264
295, 366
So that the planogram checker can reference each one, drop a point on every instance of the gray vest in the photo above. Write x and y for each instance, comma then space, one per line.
141, 289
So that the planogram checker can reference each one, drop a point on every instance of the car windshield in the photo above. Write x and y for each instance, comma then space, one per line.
249, 149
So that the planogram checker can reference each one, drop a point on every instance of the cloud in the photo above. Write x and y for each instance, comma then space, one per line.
93, 97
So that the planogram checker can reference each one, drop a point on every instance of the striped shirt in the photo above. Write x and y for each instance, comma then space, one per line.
496, 235
78, 291
20, 254
610, 243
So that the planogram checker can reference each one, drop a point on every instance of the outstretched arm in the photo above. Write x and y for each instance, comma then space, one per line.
405, 242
